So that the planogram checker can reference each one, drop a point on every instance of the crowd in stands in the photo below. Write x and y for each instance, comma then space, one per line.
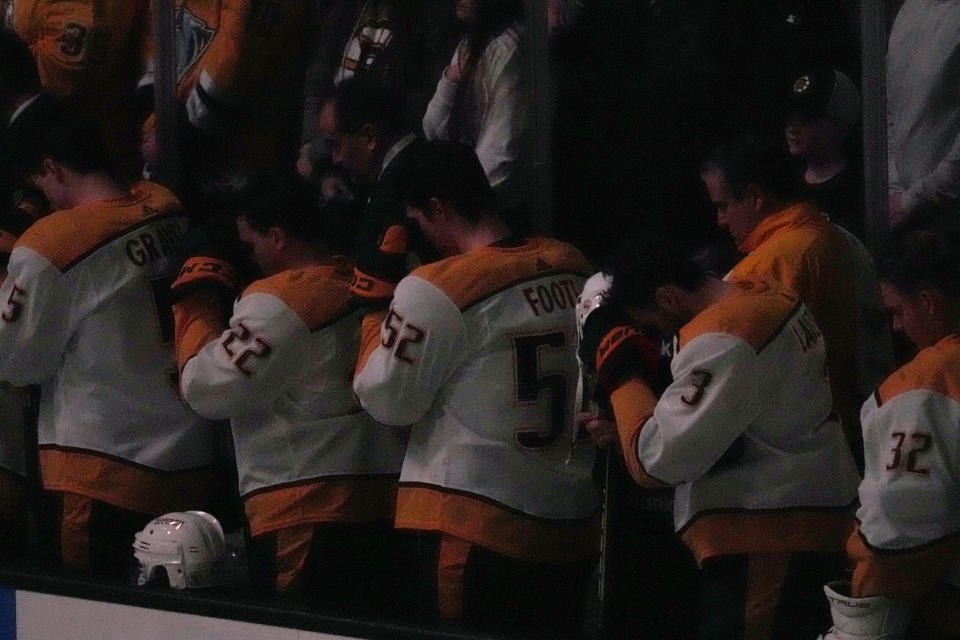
329, 321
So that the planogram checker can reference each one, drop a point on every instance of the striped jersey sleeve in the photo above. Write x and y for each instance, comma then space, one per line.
422, 340
262, 350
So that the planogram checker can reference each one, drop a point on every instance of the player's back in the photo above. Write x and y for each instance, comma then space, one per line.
478, 353
910, 493
106, 358
282, 374
763, 354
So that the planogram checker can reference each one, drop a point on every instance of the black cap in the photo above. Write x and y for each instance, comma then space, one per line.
819, 92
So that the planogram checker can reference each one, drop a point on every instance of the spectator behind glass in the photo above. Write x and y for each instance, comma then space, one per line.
401, 44
923, 111
478, 100
785, 237
85, 53
823, 110
239, 69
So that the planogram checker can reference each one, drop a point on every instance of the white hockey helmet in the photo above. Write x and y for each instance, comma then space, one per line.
591, 298
188, 545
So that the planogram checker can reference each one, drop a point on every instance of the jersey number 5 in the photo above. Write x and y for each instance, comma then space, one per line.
530, 384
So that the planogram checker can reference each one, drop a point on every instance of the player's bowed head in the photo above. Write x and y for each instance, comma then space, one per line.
919, 271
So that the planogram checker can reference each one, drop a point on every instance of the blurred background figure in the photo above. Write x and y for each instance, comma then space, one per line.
239, 77
479, 98
823, 109
86, 55
403, 45
923, 112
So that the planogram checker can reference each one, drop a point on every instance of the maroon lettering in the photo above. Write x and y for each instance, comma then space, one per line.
14, 306
545, 298
150, 245
528, 293
556, 291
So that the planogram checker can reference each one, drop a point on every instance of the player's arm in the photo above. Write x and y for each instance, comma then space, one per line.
701, 414
246, 365
498, 144
940, 185
909, 531
618, 359
35, 318
422, 341
213, 94
437, 117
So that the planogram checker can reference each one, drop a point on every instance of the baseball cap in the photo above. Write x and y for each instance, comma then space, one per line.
827, 92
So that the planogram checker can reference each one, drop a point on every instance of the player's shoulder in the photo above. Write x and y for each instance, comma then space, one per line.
473, 276
755, 310
807, 240
936, 368
66, 237
318, 294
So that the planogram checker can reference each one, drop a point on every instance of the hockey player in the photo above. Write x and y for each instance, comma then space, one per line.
477, 354
907, 546
745, 432
318, 476
785, 238
85, 313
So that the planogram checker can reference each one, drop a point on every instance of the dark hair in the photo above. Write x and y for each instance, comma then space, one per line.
752, 159
360, 101
18, 71
271, 199
70, 141
451, 172
923, 253
640, 266
492, 18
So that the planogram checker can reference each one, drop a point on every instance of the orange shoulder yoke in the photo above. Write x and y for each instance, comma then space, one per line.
470, 277
754, 311
66, 237
318, 294
936, 368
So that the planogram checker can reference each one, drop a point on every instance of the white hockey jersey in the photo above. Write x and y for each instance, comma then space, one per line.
909, 515
282, 373
746, 430
85, 313
477, 352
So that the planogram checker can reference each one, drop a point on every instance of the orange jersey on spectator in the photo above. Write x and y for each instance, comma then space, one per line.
799, 248
237, 65
85, 53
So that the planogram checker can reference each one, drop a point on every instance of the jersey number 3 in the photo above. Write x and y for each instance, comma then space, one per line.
530, 384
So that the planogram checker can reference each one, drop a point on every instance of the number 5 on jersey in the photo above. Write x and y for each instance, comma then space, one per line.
530, 382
